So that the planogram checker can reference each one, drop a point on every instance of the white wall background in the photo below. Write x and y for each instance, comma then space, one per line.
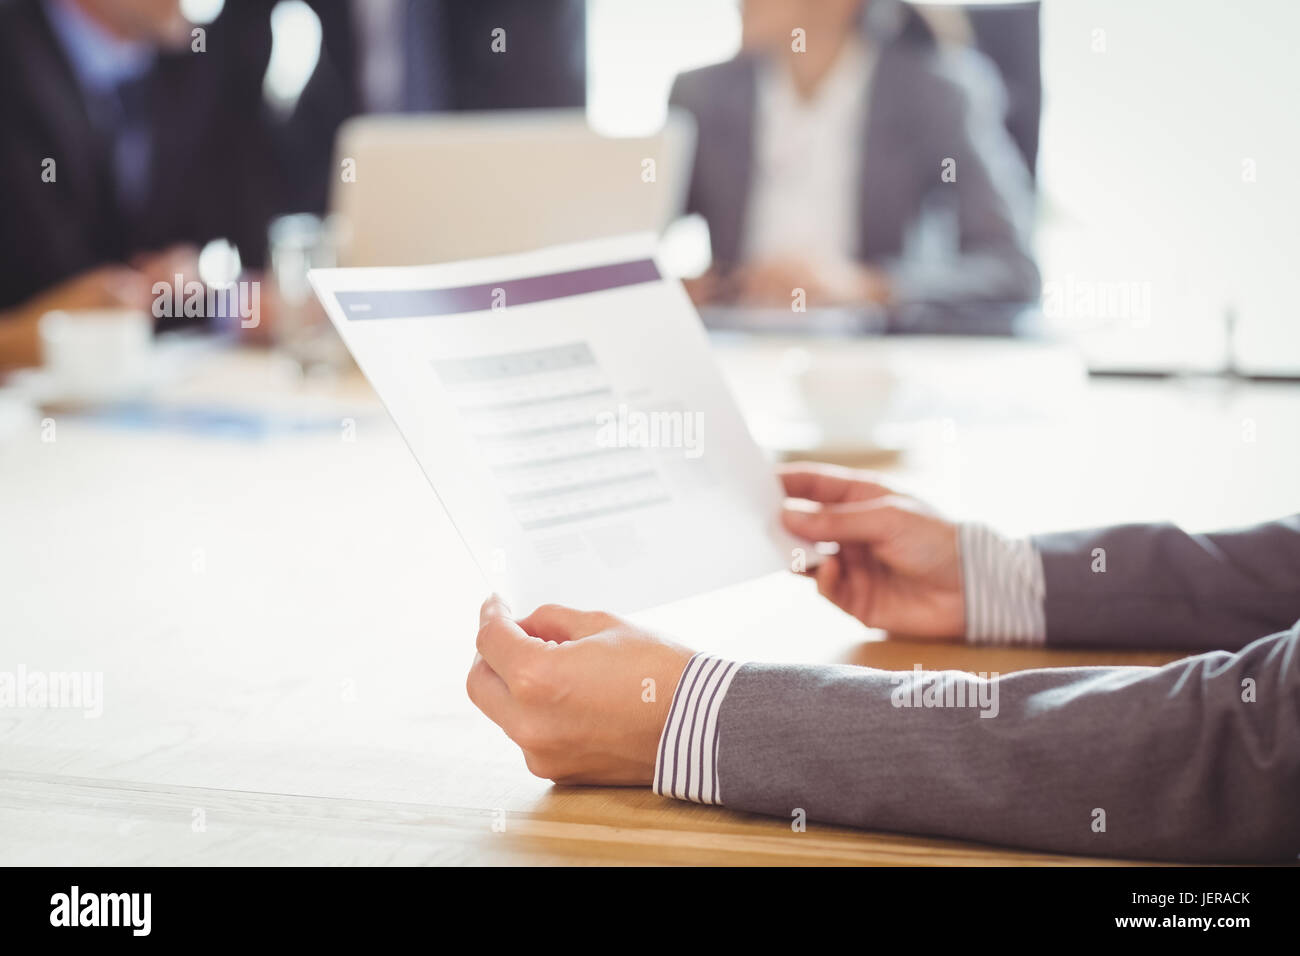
1145, 143
1148, 127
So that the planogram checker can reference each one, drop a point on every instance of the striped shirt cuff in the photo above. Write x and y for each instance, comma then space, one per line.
687, 765
1004, 586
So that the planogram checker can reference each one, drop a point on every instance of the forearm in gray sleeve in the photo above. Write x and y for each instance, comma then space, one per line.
1198, 760
1155, 585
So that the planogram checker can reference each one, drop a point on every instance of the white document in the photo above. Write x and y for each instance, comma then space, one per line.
564, 406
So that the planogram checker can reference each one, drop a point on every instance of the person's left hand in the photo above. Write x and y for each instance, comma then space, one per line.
772, 282
585, 695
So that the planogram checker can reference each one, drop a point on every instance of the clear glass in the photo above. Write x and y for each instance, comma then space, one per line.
300, 329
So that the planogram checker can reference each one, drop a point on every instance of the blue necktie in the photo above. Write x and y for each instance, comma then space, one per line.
424, 80
131, 143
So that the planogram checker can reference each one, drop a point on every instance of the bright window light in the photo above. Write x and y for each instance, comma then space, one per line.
201, 11
295, 50
635, 49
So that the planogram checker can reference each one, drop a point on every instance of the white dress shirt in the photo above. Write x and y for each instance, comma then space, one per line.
803, 201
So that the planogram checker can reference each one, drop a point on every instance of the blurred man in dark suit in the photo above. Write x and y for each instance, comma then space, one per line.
130, 140
827, 144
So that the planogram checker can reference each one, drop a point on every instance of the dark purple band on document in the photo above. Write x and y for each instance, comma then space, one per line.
415, 303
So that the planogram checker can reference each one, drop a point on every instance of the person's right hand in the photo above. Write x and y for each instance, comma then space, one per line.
164, 265
898, 565
104, 287
771, 283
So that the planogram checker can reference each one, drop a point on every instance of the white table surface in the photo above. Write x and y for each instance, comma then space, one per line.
284, 626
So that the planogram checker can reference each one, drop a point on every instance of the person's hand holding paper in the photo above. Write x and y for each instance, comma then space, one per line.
584, 694
898, 565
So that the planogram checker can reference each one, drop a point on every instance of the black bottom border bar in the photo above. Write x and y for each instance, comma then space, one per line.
342, 905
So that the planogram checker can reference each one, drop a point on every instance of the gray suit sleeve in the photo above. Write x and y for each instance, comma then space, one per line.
1155, 585
990, 189
1198, 760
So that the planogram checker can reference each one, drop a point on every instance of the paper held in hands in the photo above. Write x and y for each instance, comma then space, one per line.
565, 407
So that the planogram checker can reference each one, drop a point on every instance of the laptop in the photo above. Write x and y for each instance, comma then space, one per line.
425, 188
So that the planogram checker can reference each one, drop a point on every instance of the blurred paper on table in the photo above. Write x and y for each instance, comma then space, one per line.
564, 406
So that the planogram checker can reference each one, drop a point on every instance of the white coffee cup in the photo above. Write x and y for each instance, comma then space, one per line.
847, 394
96, 354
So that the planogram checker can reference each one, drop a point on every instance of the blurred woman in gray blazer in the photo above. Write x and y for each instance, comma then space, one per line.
845, 153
